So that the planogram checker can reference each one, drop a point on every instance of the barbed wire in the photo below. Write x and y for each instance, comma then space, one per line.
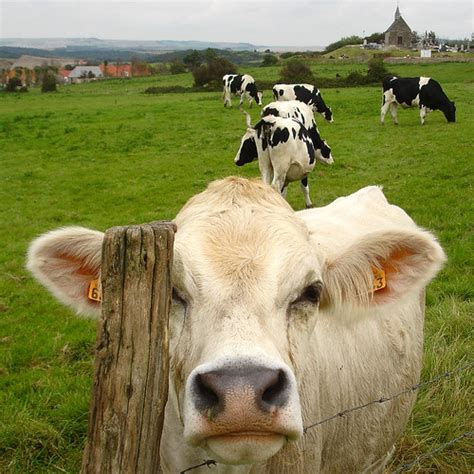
383, 399
409, 465
207, 462
387, 399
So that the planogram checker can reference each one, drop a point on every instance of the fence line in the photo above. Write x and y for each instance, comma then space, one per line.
409, 465
208, 463
387, 399
404, 467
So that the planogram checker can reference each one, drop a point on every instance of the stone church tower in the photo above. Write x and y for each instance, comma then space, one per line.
398, 33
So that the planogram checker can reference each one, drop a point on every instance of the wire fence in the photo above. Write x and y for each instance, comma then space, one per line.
409, 465
384, 399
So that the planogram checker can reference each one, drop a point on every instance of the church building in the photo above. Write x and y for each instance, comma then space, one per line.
399, 33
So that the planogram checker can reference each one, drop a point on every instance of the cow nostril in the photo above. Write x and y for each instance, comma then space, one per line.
276, 392
205, 395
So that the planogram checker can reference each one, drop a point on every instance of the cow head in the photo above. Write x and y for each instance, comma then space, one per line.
250, 283
450, 112
248, 145
323, 153
327, 114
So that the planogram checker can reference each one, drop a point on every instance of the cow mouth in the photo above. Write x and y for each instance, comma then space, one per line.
245, 447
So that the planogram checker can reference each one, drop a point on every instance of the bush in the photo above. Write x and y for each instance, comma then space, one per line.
177, 67
343, 42
296, 71
212, 72
269, 60
48, 84
377, 70
13, 84
287, 55
356, 79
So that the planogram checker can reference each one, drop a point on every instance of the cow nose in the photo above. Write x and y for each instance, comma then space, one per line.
267, 388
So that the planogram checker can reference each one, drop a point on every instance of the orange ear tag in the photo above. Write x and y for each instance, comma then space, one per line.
94, 291
380, 281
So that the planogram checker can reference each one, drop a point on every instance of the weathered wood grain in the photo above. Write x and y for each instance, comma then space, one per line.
131, 368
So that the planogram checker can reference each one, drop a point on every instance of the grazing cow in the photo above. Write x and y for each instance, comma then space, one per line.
236, 84
284, 151
306, 93
421, 92
276, 324
303, 113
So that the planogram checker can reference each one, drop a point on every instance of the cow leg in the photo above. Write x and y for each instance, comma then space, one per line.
384, 108
250, 99
423, 111
266, 168
393, 110
278, 182
284, 190
305, 188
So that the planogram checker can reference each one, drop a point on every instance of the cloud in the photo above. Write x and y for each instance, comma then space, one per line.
262, 22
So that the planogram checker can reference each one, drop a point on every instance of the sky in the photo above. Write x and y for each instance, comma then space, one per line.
260, 22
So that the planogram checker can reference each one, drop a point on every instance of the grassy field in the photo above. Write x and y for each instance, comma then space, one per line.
105, 154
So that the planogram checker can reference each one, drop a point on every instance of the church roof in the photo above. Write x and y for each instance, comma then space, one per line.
397, 23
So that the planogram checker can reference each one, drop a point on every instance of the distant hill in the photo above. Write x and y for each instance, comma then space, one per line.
96, 56
96, 43
95, 51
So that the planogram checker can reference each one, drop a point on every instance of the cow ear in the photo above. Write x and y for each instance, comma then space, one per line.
382, 267
67, 262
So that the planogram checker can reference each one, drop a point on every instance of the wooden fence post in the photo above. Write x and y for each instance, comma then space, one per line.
131, 366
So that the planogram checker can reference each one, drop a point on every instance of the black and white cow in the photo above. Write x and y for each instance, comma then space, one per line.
422, 92
306, 93
283, 149
243, 85
303, 113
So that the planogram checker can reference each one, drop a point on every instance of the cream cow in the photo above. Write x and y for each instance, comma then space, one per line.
276, 323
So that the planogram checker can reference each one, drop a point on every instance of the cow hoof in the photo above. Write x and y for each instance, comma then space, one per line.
309, 206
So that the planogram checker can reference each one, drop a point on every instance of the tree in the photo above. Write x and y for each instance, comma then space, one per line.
210, 55
415, 38
375, 38
213, 71
177, 67
343, 42
193, 60
269, 60
296, 71
48, 82
13, 84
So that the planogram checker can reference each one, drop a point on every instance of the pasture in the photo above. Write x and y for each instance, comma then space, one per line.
105, 154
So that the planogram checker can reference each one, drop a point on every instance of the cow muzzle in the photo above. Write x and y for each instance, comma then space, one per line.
242, 412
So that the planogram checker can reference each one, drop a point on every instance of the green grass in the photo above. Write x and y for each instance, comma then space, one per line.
105, 154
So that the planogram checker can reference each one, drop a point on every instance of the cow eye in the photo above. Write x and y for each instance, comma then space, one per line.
310, 294
178, 298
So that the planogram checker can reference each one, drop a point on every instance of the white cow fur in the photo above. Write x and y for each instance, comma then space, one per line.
285, 162
227, 93
242, 257
304, 113
390, 101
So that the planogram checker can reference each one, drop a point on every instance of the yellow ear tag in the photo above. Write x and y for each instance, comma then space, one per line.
379, 279
94, 291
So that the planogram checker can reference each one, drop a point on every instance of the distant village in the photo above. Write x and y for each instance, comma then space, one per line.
27, 70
